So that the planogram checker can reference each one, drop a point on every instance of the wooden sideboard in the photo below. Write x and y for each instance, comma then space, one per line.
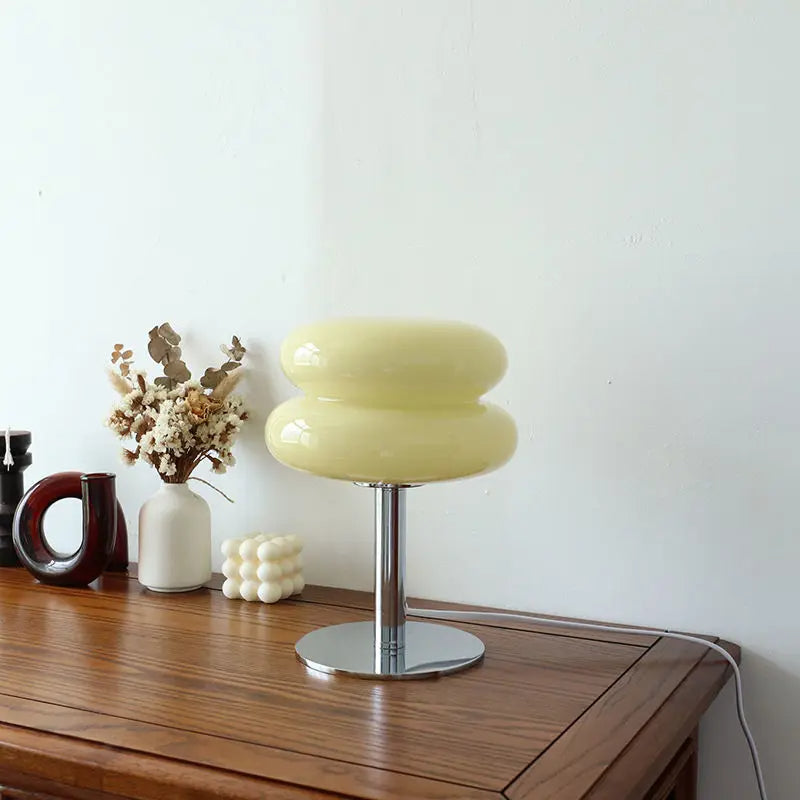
114, 692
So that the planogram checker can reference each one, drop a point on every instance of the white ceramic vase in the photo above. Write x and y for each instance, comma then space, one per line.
174, 540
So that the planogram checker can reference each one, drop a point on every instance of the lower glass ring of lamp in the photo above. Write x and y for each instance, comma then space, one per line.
388, 647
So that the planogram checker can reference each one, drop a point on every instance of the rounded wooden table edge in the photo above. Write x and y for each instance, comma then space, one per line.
79, 765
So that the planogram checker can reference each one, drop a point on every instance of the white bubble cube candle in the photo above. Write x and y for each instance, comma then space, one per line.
262, 567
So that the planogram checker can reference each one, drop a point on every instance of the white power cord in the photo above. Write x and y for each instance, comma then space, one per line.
474, 616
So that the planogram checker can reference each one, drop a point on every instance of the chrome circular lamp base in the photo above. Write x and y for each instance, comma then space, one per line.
350, 649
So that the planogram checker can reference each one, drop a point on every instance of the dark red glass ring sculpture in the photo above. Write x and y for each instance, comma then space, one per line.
104, 543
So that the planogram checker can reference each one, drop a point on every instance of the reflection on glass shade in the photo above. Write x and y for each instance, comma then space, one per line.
392, 401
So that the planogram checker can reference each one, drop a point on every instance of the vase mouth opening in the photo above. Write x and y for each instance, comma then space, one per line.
98, 476
173, 484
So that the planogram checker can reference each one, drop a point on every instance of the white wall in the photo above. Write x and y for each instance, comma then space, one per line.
612, 188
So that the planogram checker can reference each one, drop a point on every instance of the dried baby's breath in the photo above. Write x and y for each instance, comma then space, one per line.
175, 422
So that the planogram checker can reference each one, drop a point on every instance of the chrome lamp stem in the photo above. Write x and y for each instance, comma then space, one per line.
390, 575
387, 647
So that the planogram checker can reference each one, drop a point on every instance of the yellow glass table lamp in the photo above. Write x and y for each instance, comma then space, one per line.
391, 404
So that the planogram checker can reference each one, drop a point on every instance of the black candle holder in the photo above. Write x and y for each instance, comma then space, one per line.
11, 490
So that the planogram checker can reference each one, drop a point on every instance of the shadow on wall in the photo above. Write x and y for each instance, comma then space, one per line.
261, 398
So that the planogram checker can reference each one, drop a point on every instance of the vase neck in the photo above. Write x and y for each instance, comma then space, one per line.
174, 487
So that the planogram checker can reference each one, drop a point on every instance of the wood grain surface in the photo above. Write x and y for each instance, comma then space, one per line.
177, 695
83, 771
649, 754
580, 757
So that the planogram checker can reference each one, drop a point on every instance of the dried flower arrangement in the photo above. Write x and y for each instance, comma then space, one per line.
176, 422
